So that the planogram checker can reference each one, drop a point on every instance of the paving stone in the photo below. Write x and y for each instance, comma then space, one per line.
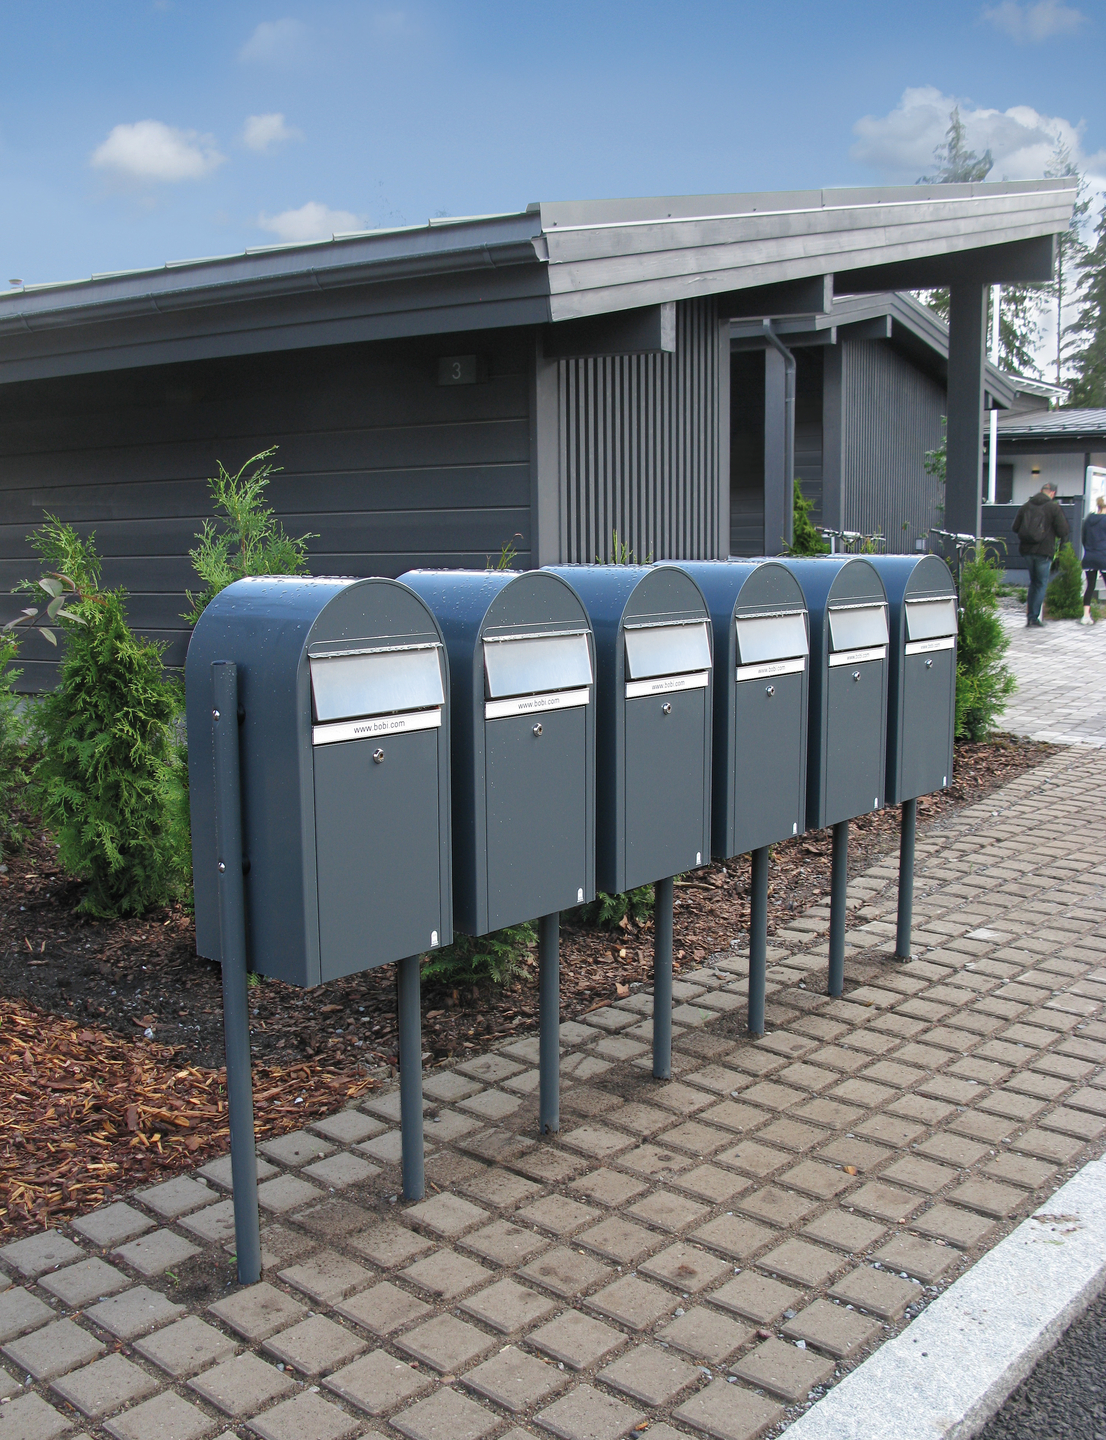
800, 1261
845, 1231
54, 1350
499, 1188
1047, 1146
599, 1141
30, 1418
77, 1284
921, 1258
177, 1197
558, 1214
1074, 1122
565, 1272
890, 1130
632, 1302
587, 1414
136, 1312
37, 1254
753, 1158
608, 1187
988, 1197
685, 1267
957, 1226
783, 1369
348, 1127
445, 1126
213, 1225
957, 1151
654, 1162
734, 1236
285, 1193
165, 1417
389, 1245
504, 1243
220, 1171
696, 1138
153, 1253
833, 1328
491, 1104
793, 1134
884, 1295
9, 1385
446, 1215
778, 1207
619, 1240
327, 1277
577, 1340
489, 1068
728, 1412
305, 1417
446, 1343
813, 1178
670, 1212
98, 1389
516, 1381
920, 1174
112, 1225
548, 1165
589, 1100
186, 1348
705, 1335
1019, 1170
384, 1309
447, 1275
717, 1186
755, 1297
242, 1385
333, 1218
258, 1311
446, 1415
341, 1170
732, 1115
314, 1345
641, 1119
507, 1306
649, 1375
885, 1202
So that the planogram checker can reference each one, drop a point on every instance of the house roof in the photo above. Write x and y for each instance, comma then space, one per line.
547, 263
1054, 424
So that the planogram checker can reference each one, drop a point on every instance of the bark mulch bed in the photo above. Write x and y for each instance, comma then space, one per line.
111, 1032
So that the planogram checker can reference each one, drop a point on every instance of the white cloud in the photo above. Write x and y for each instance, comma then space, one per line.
261, 132
310, 222
899, 146
1035, 23
274, 42
151, 150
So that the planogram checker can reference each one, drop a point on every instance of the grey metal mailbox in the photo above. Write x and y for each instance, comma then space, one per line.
653, 741
847, 735
761, 650
921, 699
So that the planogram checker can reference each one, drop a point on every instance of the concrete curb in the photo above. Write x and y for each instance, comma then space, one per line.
945, 1375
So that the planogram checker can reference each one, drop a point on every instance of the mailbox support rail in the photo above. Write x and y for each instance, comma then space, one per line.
662, 979
906, 878
839, 882
758, 941
232, 934
410, 1076
549, 1022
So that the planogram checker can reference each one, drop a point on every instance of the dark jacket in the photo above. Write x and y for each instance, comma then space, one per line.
1094, 541
1057, 526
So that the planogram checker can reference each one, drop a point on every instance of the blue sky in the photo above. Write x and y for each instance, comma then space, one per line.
138, 131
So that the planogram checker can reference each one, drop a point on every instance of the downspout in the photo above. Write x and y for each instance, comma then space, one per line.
789, 427
992, 448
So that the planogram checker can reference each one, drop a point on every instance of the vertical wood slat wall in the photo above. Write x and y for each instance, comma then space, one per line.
642, 449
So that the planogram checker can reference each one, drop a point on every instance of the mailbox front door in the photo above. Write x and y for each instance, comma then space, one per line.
855, 759
665, 762
768, 777
928, 700
376, 832
536, 766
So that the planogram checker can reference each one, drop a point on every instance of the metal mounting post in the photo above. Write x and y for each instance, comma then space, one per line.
758, 940
549, 1022
410, 1076
232, 934
662, 979
907, 830
839, 883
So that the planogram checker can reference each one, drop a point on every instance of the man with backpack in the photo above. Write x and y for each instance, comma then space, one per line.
1039, 525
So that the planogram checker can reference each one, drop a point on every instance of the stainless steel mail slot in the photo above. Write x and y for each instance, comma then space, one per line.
771, 637
653, 650
530, 664
858, 627
928, 619
377, 682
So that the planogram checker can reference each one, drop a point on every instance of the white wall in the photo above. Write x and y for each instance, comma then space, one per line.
1065, 471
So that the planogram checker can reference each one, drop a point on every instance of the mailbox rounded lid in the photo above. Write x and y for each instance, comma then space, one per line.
914, 577
745, 587
836, 579
498, 601
622, 595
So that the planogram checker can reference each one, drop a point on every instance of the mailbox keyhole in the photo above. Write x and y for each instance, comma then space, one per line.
929, 664
378, 757
769, 690
537, 728
666, 708
856, 674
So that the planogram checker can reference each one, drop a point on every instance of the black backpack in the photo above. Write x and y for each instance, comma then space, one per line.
1035, 523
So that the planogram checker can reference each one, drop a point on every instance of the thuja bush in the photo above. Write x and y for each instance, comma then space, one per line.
1064, 596
108, 781
805, 538
470, 960
12, 748
983, 681
607, 911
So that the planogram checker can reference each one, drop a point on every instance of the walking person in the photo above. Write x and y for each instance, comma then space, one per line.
1094, 553
1040, 526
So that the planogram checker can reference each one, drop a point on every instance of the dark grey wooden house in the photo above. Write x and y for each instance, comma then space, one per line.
556, 375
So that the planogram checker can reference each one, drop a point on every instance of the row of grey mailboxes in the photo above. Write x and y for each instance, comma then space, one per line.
481, 748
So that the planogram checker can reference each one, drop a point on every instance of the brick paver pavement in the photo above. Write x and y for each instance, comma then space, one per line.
699, 1257
1061, 694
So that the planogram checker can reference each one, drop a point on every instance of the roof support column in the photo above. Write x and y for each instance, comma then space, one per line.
967, 351
833, 439
779, 443
547, 507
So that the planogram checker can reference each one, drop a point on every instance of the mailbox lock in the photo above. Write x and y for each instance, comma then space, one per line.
856, 674
378, 757
769, 690
214, 714
221, 867
666, 708
929, 664
537, 728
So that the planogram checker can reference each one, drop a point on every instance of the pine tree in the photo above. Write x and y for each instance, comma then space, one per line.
1089, 330
956, 164
1071, 255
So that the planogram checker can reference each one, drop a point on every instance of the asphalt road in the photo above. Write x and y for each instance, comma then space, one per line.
1064, 1398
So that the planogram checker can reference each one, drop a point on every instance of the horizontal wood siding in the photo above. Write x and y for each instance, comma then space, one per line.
642, 449
891, 416
384, 467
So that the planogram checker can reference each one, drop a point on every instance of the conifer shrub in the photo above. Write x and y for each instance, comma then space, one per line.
110, 757
1064, 596
471, 960
12, 748
983, 681
805, 538
607, 911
